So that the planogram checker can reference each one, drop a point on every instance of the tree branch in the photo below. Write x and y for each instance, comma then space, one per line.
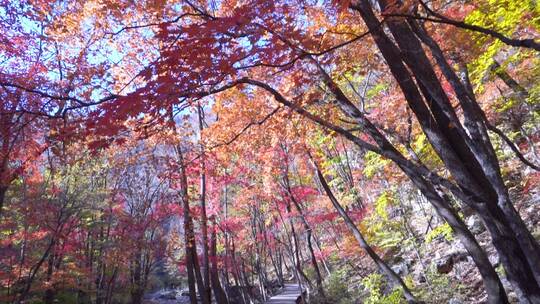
253, 123
511, 145
439, 18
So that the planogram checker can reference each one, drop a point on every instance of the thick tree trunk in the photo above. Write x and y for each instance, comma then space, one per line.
459, 155
480, 172
442, 206
475, 121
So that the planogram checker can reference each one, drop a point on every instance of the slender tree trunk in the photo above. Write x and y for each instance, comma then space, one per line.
189, 236
245, 278
261, 252
219, 294
226, 238
291, 250
50, 292
383, 267
110, 286
237, 274
263, 228
323, 260
296, 251
189, 263
197, 270
137, 289
202, 199
3, 190
33, 272
307, 228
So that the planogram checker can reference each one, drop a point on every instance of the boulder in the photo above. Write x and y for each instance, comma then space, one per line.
460, 256
445, 264
401, 269
454, 301
418, 276
475, 224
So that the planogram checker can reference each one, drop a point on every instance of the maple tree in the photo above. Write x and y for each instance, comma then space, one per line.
231, 144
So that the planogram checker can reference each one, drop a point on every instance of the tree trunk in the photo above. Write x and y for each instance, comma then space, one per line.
236, 274
48, 298
509, 81
189, 236
202, 199
296, 251
383, 267
421, 176
137, 295
110, 286
197, 270
480, 172
308, 230
459, 154
219, 294
3, 190
137, 289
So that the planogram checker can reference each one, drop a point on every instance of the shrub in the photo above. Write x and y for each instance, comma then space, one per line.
374, 284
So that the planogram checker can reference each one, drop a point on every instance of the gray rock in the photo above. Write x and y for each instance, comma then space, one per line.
401, 269
454, 301
419, 276
445, 264
460, 256
475, 225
